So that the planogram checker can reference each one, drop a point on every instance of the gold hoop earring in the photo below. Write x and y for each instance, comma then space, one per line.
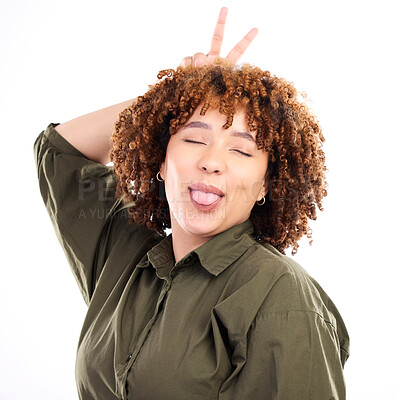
260, 204
157, 177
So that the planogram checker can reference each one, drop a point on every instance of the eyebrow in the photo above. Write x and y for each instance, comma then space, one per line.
203, 125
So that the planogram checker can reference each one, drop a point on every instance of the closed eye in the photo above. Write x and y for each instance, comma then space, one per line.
239, 151
192, 141
245, 154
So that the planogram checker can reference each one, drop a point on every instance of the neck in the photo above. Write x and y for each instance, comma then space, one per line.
184, 242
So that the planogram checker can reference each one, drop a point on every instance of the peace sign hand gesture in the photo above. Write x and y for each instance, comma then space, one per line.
233, 56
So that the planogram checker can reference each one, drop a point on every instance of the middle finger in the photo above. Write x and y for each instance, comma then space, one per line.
237, 51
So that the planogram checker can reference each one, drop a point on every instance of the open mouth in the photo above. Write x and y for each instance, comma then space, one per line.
204, 198
204, 201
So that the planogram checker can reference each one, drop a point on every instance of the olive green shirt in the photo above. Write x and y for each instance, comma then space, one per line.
234, 319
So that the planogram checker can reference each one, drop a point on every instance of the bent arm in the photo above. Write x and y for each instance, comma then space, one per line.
91, 133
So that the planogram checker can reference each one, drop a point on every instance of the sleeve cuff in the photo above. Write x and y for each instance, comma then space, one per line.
60, 142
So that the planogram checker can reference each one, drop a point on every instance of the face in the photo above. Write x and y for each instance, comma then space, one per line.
213, 176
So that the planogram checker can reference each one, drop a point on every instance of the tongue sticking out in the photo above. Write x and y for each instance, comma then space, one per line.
204, 198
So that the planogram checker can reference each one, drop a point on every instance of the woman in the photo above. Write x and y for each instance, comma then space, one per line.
232, 162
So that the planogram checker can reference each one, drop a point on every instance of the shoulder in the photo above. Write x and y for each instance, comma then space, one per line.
274, 290
132, 238
281, 283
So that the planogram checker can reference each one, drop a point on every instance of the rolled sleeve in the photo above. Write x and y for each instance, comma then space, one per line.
79, 195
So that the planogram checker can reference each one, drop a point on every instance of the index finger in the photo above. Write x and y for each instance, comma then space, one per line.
217, 38
239, 49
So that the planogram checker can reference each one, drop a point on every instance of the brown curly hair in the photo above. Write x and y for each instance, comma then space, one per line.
284, 126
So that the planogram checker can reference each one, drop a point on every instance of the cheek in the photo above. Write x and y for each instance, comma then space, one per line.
177, 172
178, 167
245, 183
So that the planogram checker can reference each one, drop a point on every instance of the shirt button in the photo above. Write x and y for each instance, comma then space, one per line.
129, 356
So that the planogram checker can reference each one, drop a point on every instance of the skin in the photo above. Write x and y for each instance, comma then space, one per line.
213, 161
202, 151
233, 56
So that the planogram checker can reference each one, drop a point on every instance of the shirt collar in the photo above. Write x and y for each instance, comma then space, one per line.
219, 252
215, 255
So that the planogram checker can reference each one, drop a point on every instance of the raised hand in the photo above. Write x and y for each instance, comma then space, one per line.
233, 56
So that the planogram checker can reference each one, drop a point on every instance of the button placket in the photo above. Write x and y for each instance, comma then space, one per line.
187, 262
148, 328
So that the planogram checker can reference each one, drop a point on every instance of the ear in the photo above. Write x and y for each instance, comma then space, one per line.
264, 190
162, 170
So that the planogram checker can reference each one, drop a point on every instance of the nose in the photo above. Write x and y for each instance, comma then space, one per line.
212, 162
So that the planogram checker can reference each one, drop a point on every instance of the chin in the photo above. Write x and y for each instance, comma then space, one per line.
203, 226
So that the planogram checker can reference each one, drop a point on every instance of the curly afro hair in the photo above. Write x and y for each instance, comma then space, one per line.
284, 126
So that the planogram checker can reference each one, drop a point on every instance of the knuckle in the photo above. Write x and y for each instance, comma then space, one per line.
200, 59
186, 61
238, 48
217, 37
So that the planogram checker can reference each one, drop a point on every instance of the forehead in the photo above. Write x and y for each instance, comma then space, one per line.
214, 120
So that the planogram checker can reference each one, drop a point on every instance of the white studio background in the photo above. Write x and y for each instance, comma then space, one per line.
62, 59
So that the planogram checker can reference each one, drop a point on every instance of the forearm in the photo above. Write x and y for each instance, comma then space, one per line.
91, 133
